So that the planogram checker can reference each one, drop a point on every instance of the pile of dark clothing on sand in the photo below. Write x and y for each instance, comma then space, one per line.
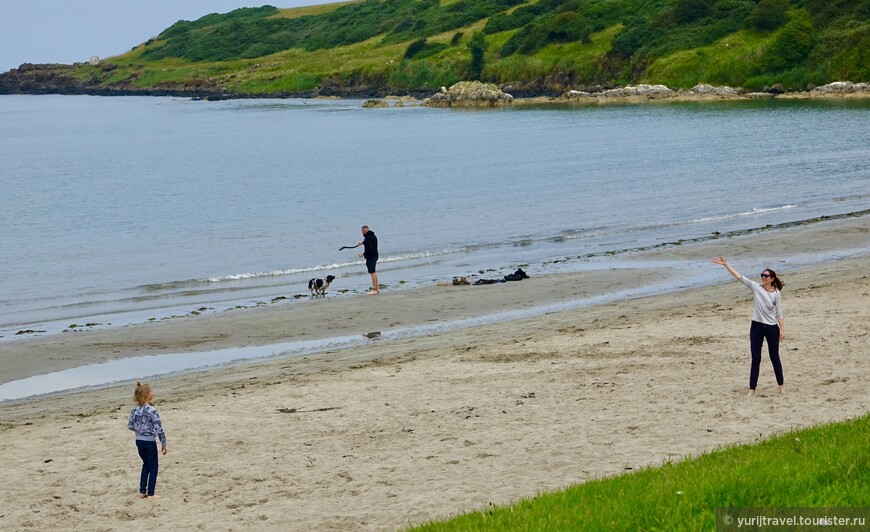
518, 275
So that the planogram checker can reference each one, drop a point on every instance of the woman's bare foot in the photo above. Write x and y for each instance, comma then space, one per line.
750, 393
154, 497
781, 389
143, 496
372, 292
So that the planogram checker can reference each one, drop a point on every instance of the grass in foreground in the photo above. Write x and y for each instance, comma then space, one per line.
822, 466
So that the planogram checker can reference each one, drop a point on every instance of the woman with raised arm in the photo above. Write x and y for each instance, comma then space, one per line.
767, 322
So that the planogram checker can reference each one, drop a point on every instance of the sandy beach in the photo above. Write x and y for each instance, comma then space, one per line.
395, 433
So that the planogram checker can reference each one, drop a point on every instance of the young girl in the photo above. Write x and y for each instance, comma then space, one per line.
145, 422
767, 322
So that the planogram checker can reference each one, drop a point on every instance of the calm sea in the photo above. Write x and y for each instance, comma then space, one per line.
121, 210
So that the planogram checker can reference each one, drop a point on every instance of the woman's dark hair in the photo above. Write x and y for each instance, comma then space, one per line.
776, 282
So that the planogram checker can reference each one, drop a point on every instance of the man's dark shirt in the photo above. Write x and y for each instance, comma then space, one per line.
370, 242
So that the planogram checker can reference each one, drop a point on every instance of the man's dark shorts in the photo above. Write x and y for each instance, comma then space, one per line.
370, 264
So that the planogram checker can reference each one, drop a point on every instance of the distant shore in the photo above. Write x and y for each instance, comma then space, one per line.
43, 79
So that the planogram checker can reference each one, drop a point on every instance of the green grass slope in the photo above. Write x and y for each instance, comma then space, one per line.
379, 46
826, 466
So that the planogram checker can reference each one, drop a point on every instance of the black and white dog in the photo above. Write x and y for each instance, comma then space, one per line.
318, 287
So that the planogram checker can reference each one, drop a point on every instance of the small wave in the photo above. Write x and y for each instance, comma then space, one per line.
275, 273
422, 254
752, 212
575, 234
322, 267
171, 285
708, 219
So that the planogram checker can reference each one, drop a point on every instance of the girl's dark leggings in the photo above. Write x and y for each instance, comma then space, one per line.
148, 454
758, 332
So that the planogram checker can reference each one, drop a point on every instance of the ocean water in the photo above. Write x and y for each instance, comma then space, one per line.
123, 210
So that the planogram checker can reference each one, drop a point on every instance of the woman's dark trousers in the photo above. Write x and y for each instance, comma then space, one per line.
759, 332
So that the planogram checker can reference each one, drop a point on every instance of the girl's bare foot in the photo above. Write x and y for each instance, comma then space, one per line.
750, 393
154, 497
142, 496
781, 389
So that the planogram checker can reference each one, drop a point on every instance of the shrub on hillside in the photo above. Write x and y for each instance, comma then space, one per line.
768, 15
826, 11
791, 47
421, 48
691, 10
844, 51
477, 47
560, 28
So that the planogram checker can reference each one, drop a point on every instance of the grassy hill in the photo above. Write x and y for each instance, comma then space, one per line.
538, 46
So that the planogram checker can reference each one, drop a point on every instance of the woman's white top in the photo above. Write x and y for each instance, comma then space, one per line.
768, 305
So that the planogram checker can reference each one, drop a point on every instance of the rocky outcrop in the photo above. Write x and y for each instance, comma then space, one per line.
86, 79
841, 87
629, 93
710, 90
470, 94
651, 92
375, 104
40, 79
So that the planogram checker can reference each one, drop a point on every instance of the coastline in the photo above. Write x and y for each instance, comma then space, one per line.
45, 79
391, 434
686, 97
429, 309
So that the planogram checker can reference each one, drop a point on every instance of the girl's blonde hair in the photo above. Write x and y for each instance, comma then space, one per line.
140, 396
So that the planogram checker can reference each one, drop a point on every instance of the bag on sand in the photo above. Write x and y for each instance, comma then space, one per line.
518, 275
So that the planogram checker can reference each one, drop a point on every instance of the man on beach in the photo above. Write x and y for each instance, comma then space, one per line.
370, 243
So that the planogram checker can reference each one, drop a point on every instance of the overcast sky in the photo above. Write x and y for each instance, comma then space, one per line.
67, 31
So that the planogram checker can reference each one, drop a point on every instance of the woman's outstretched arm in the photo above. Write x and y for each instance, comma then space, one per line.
722, 262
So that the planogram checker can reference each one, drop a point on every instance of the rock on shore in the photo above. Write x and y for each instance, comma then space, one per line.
842, 87
470, 94
375, 104
641, 93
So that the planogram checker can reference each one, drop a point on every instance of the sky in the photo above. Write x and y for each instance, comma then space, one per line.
69, 31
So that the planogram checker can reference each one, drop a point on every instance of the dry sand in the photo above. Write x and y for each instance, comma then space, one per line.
395, 433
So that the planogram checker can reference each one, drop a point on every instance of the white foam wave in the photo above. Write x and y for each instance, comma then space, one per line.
752, 212
328, 267
275, 273
422, 255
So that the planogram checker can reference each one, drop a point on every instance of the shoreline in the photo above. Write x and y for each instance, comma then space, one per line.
420, 312
615, 95
88, 323
393, 434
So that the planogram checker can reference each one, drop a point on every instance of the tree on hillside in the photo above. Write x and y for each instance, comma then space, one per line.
415, 48
477, 47
790, 47
691, 10
768, 15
